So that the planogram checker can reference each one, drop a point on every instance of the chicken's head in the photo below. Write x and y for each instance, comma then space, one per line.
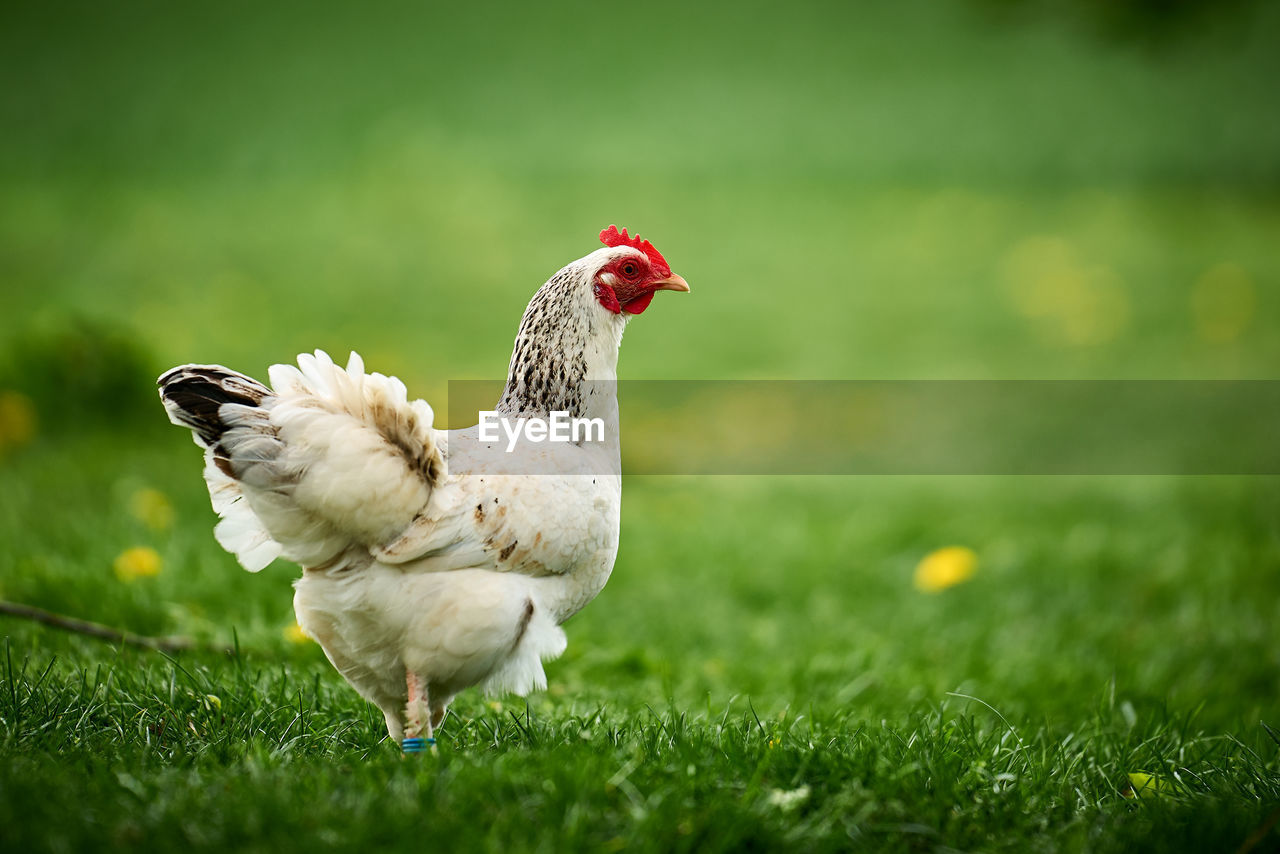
573, 326
631, 272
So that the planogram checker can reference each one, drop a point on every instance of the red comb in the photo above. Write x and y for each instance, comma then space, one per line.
612, 237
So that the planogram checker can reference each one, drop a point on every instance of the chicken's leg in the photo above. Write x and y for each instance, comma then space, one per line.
417, 717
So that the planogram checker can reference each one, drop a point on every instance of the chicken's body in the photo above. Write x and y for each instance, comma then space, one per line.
424, 572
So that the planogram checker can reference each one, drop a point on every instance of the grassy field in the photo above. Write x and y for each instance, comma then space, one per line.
860, 191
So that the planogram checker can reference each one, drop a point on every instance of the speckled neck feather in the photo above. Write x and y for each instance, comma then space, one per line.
566, 351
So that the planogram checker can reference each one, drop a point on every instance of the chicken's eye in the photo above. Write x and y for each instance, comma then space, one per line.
629, 270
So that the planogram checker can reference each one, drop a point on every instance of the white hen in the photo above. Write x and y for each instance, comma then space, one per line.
419, 582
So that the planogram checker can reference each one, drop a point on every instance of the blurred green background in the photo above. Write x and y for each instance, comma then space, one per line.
990, 189
869, 190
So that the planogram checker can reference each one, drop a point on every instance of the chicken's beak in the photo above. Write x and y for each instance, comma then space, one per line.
672, 283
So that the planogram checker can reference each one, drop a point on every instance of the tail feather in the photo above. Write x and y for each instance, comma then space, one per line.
212, 400
195, 394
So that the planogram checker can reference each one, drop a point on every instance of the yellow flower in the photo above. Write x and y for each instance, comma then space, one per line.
296, 634
1144, 785
17, 419
137, 562
152, 508
945, 568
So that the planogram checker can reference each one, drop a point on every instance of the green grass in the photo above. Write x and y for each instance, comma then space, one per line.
866, 191
759, 637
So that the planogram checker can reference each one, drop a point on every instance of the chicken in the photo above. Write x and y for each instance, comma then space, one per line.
425, 570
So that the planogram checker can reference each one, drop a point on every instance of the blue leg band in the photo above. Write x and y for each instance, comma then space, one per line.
416, 745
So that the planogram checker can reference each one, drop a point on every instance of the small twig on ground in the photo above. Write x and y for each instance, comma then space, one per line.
171, 643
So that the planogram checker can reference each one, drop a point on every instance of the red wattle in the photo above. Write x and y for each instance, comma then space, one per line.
639, 304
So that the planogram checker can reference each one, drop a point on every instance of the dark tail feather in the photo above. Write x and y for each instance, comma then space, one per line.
194, 394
